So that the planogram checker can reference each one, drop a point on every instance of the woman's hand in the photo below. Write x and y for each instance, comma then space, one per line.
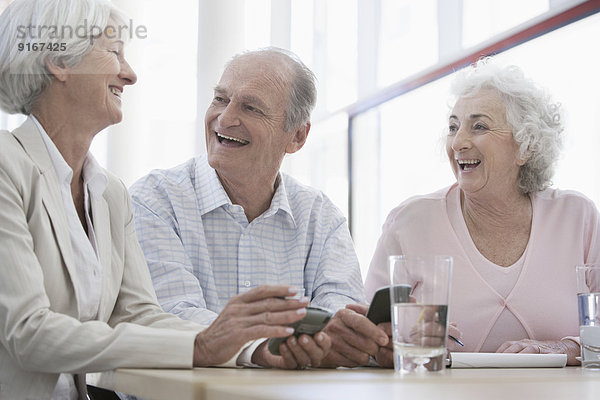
568, 347
426, 330
455, 333
296, 353
385, 355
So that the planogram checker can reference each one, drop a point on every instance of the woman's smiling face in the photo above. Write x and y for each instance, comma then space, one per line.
483, 153
96, 84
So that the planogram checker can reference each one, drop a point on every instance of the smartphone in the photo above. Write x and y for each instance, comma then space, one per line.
315, 319
379, 309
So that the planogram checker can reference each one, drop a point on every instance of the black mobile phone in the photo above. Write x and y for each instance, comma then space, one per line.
315, 319
379, 309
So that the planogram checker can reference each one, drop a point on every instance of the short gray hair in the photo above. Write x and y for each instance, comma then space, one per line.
530, 111
23, 74
302, 83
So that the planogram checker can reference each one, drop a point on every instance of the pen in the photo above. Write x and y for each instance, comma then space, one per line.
456, 340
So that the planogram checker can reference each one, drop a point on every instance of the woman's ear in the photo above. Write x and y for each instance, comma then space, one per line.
57, 69
522, 159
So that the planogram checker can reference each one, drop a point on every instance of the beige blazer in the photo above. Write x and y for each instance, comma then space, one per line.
40, 331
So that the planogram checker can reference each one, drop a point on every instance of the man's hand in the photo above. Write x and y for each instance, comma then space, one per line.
258, 313
296, 353
385, 354
568, 347
353, 338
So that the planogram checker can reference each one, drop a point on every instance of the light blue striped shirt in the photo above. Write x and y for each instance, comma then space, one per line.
202, 251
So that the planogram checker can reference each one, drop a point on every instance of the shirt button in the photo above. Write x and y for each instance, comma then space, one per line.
247, 283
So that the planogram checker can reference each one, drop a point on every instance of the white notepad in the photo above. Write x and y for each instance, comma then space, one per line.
507, 360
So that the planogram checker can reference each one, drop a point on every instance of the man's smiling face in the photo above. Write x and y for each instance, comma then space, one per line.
245, 121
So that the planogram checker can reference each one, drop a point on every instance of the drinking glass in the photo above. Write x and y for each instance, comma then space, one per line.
419, 325
588, 301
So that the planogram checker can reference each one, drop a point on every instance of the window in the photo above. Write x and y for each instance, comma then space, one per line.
408, 40
258, 23
483, 19
397, 152
323, 161
562, 62
329, 49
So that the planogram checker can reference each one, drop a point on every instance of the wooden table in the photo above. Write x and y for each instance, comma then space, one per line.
362, 383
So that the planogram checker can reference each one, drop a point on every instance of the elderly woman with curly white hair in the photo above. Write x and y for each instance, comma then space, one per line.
515, 241
75, 292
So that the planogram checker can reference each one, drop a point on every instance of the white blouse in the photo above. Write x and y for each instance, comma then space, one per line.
85, 250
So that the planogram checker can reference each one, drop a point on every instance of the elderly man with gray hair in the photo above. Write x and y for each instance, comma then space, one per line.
223, 223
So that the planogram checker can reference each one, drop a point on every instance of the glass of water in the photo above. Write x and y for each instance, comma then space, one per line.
419, 322
588, 300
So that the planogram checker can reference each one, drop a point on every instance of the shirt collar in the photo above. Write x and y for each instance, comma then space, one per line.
212, 195
280, 200
210, 192
94, 176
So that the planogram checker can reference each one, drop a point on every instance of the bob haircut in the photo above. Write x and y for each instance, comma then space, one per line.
33, 32
302, 85
534, 118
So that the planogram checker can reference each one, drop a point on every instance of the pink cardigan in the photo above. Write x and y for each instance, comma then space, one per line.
565, 232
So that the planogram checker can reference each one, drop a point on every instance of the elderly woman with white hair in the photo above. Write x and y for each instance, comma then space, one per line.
514, 241
75, 293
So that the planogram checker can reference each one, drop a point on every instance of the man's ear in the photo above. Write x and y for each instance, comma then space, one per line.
57, 69
299, 139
